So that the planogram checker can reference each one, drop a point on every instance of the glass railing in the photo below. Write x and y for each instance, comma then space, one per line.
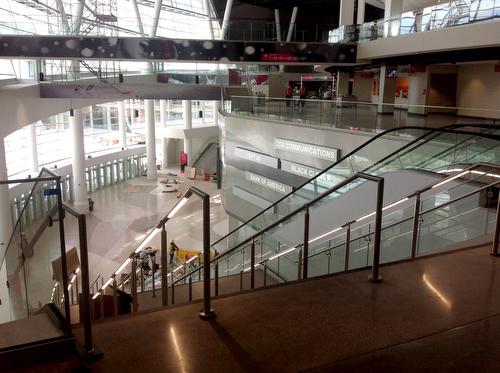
32, 264
277, 254
346, 113
376, 157
273, 241
440, 16
116, 72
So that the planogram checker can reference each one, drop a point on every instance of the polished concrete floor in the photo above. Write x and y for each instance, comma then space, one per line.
436, 314
123, 215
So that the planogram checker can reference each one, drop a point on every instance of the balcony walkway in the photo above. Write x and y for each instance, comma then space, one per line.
440, 313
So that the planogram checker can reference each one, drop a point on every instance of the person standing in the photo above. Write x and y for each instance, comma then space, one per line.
302, 94
172, 249
288, 94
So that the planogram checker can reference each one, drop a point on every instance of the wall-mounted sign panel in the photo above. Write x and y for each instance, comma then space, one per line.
327, 179
311, 150
268, 183
250, 197
262, 159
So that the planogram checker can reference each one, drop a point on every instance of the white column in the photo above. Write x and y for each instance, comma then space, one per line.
122, 124
225, 21
209, 18
417, 92
164, 140
387, 92
79, 184
34, 150
346, 12
393, 8
149, 109
5, 232
361, 12
187, 107
278, 24
138, 17
291, 27
215, 112
202, 109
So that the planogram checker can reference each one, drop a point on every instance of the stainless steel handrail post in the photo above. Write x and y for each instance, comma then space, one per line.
63, 258
265, 274
252, 265
133, 283
375, 276
216, 278
305, 247
207, 313
153, 262
142, 276
172, 289
416, 221
190, 289
496, 234
164, 267
101, 303
347, 246
299, 264
115, 296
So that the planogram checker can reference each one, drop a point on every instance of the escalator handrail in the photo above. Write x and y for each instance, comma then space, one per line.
305, 206
447, 129
468, 194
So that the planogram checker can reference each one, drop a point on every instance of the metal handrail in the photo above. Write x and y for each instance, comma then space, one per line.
367, 103
18, 181
161, 225
249, 240
359, 175
413, 217
448, 129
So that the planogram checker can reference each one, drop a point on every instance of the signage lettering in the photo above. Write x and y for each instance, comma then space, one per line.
259, 158
315, 151
267, 183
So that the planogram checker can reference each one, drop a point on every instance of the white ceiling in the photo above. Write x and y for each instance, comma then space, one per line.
407, 4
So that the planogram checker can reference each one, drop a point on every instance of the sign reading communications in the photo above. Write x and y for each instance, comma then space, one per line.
267, 183
259, 158
315, 151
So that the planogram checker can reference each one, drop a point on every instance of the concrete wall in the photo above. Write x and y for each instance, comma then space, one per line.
258, 135
474, 35
479, 87
21, 105
362, 87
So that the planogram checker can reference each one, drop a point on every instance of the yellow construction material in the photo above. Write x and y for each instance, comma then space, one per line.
184, 255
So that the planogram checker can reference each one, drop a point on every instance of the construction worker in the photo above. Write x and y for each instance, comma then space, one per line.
172, 248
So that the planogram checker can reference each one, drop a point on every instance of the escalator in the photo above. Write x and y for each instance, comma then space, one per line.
446, 217
327, 226
341, 221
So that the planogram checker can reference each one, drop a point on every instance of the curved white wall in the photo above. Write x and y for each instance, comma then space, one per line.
20, 105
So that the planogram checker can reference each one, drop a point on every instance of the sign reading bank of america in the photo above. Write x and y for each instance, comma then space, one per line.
268, 183
315, 151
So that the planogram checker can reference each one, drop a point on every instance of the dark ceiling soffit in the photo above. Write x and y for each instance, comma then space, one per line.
464, 55
182, 50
